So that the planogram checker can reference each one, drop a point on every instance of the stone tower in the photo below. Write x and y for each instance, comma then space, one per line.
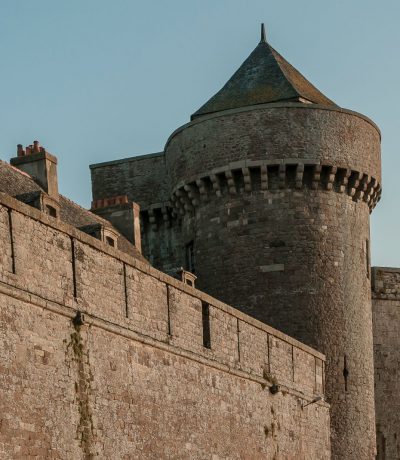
266, 195
274, 184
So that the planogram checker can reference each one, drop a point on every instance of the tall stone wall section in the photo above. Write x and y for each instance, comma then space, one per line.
386, 321
276, 200
134, 377
142, 177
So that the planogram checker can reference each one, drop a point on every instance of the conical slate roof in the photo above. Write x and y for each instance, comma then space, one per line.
265, 76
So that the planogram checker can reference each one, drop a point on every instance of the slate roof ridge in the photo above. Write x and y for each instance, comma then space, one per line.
279, 57
286, 64
85, 210
19, 171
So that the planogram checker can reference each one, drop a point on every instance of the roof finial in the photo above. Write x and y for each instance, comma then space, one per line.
263, 38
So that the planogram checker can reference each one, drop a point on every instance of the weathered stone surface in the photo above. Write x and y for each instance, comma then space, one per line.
273, 133
134, 380
275, 201
289, 255
386, 320
132, 171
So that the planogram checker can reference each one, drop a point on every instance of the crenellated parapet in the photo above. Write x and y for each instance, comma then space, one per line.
271, 175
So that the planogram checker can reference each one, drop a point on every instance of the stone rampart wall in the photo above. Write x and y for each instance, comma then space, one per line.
386, 322
137, 379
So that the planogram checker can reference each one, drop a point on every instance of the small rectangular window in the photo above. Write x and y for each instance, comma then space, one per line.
206, 325
51, 211
190, 266
110, 241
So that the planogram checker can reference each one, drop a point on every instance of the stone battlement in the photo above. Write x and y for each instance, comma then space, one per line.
64, 270
252, 175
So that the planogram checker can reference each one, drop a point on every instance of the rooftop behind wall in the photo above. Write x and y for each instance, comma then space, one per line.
49, 270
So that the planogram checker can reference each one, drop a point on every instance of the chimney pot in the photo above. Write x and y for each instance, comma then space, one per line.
36, 147
20, 150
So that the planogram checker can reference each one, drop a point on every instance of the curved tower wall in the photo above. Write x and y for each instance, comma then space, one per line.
276, 200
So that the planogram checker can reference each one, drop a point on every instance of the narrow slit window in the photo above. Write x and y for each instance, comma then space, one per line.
74, 284
10, 227
345, 373
367, 258
190, 266
206, 325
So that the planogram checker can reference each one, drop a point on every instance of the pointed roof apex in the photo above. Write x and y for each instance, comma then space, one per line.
263, 37
264, 77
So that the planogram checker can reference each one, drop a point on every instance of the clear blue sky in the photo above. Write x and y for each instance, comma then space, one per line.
96, 80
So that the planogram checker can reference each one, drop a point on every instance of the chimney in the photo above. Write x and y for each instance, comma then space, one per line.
124, 215
40, 165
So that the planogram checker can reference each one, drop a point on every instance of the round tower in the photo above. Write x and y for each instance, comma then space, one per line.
274, 184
